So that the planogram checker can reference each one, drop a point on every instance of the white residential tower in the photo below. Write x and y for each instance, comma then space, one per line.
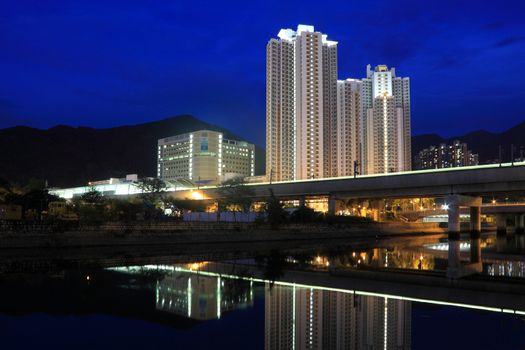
301, 87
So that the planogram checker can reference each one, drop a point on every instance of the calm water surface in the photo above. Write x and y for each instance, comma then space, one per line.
244, 304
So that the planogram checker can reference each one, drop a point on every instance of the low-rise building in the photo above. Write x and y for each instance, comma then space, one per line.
455, 154
204, 157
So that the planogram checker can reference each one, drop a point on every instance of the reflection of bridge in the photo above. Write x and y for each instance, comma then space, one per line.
351, 309
483, 293
296, 316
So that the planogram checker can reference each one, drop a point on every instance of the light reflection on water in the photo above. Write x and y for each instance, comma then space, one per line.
293, 315
188, 303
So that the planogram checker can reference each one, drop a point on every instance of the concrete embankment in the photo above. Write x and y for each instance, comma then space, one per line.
203, 233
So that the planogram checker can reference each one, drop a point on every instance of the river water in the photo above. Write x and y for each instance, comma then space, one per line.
275, 300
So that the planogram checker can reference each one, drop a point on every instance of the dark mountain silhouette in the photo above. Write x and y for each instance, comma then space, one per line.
67, 156
485, 143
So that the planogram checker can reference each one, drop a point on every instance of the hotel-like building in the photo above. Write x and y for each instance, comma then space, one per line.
317, 126
204, 157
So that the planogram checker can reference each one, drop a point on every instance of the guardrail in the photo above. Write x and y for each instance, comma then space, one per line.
22, 227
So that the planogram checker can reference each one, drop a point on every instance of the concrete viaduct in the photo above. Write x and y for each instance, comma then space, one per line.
462, 188
484, 180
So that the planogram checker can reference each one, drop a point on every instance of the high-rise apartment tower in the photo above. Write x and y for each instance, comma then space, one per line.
317, 126
347, 135
301, 103
385, 137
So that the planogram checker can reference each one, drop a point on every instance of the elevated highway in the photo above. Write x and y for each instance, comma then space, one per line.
475, 181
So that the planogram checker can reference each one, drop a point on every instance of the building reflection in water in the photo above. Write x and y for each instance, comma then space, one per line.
296, 317
307, 318
378, 258
507, 268
202, 297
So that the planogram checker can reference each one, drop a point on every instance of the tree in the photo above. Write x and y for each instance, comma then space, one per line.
234, 194
35, 200
92, 196
152, 190
152, 196
303, 214
90, 207
5, 189
35, 185
275, 213
272, 265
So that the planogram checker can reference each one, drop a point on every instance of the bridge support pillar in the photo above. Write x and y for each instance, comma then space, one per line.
475, 234
454, 258
501, 224
454, 262
519, 227
302, 201
455, 269
501, 243
331, 204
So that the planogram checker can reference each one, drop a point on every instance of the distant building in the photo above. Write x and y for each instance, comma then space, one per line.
204, 157
455, 154
113, 180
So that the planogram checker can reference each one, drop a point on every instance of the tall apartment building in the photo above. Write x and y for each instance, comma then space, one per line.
385, 137
204, 157
317, 126
455, 154
301, 102
347, 133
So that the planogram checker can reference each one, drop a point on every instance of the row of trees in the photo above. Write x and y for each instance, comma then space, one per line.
32, 197
95, 208
235, 195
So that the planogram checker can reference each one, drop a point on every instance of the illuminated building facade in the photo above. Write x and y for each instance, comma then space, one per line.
455, 154
347, 148
317, 126
301, 88
204, 157
386, 134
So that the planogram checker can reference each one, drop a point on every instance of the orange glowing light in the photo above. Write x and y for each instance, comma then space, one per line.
197, 195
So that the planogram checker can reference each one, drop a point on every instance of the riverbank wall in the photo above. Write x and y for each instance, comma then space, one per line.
117, 234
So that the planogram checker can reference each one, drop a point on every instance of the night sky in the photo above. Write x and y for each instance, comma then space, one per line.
103, 63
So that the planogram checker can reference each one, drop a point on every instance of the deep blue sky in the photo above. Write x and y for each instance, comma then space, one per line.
103, 63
